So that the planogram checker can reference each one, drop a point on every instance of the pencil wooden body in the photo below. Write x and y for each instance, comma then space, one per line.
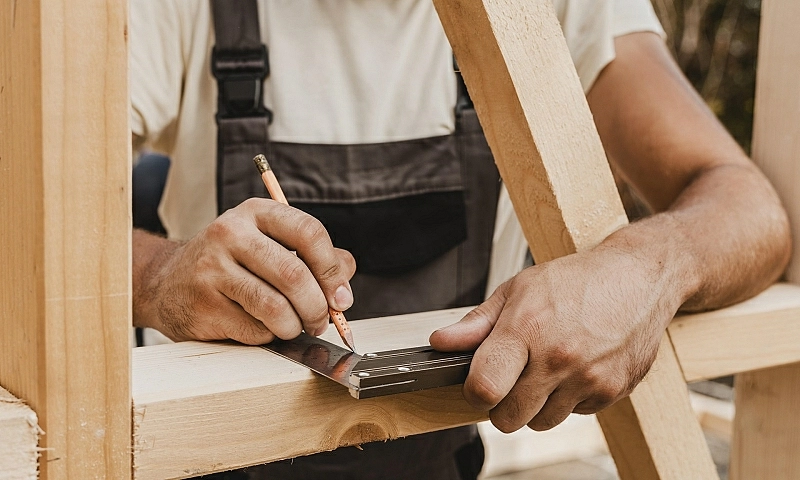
275, 191
273, 187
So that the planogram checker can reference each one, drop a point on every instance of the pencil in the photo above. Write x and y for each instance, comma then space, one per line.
275, 191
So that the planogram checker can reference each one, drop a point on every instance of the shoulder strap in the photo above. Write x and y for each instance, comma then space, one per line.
240, 63
236, 25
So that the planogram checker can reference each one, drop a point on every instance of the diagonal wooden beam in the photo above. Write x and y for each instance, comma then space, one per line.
517, 67
65, 233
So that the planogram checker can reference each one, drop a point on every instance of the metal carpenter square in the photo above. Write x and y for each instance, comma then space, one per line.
323, 357
376, 374
407, 370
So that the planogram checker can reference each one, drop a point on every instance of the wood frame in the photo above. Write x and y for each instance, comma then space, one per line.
767, 423
203, 407
64, 190
55, 314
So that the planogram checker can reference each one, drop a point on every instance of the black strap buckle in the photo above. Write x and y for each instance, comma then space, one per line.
240, 75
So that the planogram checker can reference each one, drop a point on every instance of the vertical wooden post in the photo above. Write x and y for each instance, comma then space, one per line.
766, 437
65, 233
528, 97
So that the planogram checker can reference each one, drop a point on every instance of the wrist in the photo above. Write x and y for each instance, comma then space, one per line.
150, 254
655, 252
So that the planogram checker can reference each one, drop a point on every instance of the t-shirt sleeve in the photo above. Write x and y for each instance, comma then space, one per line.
590, 27
156, 69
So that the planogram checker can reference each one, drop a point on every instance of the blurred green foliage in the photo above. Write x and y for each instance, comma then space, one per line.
716, 43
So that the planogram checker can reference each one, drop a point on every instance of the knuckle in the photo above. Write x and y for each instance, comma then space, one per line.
247, 332
607, 394
280, 318
246, 293
292, 271
330, 272
272, 308
311, 230
252, 203
562, 357
592, 377
221, 229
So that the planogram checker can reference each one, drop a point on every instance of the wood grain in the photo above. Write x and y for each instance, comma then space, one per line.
19, 435
519, 73
758, 333
766, 438
515, 61
65, 243
767, 422
189, 396
206, 407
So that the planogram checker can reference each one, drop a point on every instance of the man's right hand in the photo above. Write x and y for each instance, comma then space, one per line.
239, 277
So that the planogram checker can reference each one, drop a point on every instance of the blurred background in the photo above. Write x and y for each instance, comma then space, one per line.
716, 45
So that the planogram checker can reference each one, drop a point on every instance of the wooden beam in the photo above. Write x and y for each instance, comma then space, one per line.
767, 422
19, 436
200, 407
207, 407
766, 438
518, 70
758, 333
65, 240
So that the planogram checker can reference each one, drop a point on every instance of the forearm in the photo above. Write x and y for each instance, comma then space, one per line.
149, 253
723, 240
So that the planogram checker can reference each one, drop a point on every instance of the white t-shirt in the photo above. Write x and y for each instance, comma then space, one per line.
342, 72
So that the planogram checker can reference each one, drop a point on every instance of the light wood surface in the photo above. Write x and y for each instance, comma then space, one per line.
766, 439
204, 407
520, 75
65, 239
758, 333
19, 435
200, 407
517, 67
639, 427
767, 423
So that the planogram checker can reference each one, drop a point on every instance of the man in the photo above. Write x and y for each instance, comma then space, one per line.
572, 335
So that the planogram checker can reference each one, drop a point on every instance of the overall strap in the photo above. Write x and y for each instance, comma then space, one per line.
240, 64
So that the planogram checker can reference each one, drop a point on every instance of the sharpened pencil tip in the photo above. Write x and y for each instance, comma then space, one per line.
349, 341
261, 163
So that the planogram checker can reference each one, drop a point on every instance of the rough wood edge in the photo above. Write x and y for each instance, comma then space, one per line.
19, 438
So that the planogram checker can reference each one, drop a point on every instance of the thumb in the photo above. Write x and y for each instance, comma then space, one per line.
468, 333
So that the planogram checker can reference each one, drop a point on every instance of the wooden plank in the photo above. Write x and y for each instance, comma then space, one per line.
758, 333
206, 407
186, 395
65, 244
641, 423
766, 438
767, 422
517, 67
515, 61
19, 436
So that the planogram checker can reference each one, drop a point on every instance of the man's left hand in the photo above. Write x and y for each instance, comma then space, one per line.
572, 335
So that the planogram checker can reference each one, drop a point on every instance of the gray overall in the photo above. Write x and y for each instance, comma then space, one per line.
417, 215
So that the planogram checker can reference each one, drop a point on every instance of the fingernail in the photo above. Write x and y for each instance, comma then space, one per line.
343, 298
